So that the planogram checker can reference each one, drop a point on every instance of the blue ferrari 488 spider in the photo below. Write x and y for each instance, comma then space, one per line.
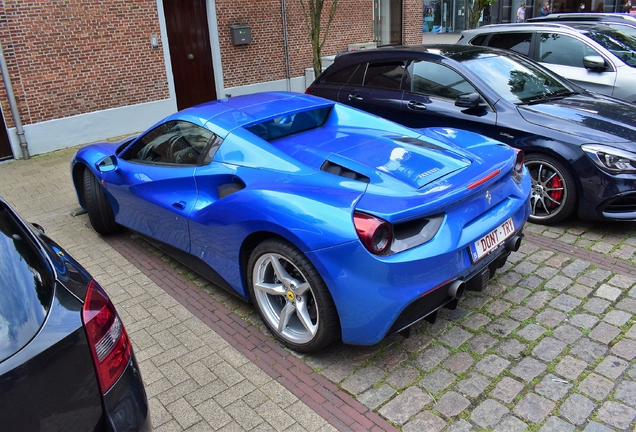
335, 223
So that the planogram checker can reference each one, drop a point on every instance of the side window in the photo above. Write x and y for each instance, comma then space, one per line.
174, 142
341, 76
479, 40
435, 79
384, 75
563, 50
519, 42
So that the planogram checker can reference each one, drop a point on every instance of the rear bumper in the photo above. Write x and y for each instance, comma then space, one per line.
448, 294
378, 295
126, 403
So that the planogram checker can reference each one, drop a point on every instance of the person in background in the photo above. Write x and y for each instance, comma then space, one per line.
582, 7
521, 13
545, 10
626, 7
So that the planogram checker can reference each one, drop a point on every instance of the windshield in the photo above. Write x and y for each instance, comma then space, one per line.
620, 44
516, 79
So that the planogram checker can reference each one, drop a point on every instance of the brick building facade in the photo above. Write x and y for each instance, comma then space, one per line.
86, 70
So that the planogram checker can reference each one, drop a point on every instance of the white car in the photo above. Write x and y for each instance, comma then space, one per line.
596, 57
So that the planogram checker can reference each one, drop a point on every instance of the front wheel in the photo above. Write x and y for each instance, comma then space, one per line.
98, 208
553, 196
291, 297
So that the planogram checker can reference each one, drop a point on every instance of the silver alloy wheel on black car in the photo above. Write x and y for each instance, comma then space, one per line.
291, 297
553, 196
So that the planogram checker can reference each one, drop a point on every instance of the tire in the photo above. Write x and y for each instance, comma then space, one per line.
553, 196
99, 210
291, 297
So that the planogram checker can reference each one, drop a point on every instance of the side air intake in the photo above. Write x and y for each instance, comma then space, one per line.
341, 171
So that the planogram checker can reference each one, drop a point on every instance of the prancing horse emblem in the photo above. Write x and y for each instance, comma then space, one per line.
488, 197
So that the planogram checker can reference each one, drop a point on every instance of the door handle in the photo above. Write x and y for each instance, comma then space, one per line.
355, 97
416, 105
179, 205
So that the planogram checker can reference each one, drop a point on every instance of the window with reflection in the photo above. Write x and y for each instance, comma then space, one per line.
174, 143
518, 42
555, 48
435, 79
620, 44
516, 79
384, 75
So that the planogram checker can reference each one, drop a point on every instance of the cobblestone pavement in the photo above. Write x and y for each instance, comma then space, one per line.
548, 346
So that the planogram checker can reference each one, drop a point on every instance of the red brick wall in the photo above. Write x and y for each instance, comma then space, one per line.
68, 57
264, 58
412, 22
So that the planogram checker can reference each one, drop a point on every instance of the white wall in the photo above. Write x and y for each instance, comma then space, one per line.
56, 134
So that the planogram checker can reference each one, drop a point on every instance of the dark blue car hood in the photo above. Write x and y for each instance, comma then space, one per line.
597, 119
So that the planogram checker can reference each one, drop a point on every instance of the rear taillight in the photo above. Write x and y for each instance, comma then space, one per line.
519, 161
309, 90
107, 337
375, 234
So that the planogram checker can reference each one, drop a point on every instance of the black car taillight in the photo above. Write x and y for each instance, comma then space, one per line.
309, 90
376, 234
110, 346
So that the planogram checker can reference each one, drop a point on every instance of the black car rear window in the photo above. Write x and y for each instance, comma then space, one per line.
26, 282
385, 75
341, 76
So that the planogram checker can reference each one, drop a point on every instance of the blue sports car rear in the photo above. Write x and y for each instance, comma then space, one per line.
333, 222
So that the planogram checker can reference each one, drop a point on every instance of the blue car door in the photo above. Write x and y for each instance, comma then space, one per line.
154, 200
154, 185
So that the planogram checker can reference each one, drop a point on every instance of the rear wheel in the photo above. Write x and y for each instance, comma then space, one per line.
291, 297
99, 210
553, 195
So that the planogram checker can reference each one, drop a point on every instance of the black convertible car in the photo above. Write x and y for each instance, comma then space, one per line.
580, 147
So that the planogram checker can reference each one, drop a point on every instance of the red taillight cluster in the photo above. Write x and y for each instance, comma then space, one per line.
309, 90
519, 161
107, 337
376, 234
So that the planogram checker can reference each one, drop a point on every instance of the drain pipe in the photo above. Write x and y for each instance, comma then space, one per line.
14, 105
287, 64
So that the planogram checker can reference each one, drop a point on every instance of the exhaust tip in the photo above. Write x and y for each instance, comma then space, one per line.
514, 243
457, 288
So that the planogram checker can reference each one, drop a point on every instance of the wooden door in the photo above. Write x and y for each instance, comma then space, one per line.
5, 145
190, 51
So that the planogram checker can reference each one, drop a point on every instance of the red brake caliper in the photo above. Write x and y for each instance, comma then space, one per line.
556, 183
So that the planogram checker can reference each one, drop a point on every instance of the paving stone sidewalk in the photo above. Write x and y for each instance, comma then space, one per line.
548, 346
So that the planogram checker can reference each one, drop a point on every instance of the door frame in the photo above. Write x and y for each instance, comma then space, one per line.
6, 151
213, 30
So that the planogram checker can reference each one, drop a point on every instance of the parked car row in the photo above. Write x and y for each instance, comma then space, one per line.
594, 56
579, 147
338, 224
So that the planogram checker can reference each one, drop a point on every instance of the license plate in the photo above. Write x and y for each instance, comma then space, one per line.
492, 240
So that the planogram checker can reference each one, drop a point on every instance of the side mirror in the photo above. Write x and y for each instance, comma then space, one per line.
107, 164
594, 62
469, 100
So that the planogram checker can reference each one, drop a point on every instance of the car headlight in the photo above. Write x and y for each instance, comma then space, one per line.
611, 159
